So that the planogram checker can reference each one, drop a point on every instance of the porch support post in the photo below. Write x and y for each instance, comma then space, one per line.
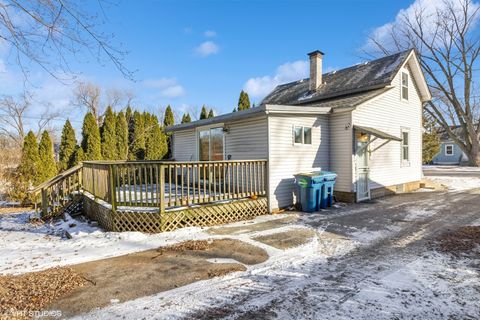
111, 178
162, 189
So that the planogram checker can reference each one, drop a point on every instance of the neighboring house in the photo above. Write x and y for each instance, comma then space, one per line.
363, 122
450, 153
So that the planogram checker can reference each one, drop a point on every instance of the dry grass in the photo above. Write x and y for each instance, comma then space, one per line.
34, 291
196, 245
460, 241
7, 210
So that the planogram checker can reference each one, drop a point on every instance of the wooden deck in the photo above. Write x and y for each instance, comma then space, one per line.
155, 196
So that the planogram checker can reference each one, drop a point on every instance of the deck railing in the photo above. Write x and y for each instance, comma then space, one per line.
58, 191
166, 185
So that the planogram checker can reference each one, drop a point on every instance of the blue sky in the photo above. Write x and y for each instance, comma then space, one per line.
189, 53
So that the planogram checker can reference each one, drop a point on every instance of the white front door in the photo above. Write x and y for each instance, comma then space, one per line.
362, 169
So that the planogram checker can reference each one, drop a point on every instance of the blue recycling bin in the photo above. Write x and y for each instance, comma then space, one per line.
329, 179
315, 190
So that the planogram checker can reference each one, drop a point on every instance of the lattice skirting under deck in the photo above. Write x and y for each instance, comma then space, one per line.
199, 216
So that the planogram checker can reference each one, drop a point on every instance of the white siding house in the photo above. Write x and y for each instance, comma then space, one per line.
363, 123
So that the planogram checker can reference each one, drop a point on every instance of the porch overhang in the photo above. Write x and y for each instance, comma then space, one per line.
377, 133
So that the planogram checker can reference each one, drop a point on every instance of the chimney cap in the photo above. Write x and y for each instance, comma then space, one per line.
316, 52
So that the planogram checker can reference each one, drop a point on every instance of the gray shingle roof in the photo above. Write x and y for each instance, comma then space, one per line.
359, 78
349, 101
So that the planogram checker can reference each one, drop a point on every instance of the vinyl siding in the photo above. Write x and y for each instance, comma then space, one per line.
341, 146
246, 140
389, 113
287, 159
456, 158
184, 145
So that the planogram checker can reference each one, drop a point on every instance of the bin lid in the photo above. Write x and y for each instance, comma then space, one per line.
315, 174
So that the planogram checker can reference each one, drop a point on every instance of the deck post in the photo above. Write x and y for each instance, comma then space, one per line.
44, 202
162, 189
111, 181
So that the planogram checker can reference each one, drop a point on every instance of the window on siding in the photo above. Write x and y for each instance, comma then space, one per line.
404, 86
405, 146
210, 144
449, 150
298, 134
302, 135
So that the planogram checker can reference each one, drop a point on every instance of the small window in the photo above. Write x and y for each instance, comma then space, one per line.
405, 86
298, 134
307, 135
405, 146
449, 150
303, 135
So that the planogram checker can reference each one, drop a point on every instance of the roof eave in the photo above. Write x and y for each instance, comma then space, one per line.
232, 116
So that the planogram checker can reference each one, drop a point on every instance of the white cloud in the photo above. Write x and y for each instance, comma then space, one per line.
167, 87
210, 33
207, 48
426, 9
291, 71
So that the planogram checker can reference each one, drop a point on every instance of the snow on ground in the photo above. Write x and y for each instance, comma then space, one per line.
457, 183
454, 177
430, 282
26, 247
451, 168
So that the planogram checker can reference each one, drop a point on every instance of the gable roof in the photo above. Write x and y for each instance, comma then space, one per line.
345, 88
363, 77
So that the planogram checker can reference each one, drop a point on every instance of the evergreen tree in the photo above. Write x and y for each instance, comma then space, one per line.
30, 161
121, 128
243, 101
156, 144
168, 119
203, 113
91, 138
186, 118
128, 114
138, 143
68, 144
47, 167
26, 174
78, 156
108, 133
234, 110
430, 140
131, 132
210, 114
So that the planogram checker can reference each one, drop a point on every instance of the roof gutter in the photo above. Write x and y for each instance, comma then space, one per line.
289, 109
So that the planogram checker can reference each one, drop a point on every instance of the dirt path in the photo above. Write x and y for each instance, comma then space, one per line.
145, 273
380, 280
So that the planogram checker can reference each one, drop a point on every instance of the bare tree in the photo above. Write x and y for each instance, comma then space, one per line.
50, 32
95, 100
14, 119
446, 40
87, 95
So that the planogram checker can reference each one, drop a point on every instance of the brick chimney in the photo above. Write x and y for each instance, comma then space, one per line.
316, 58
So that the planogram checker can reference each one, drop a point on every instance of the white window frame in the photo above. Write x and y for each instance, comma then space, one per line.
302, 135
197, 136
405, 163
446, 148
402, 86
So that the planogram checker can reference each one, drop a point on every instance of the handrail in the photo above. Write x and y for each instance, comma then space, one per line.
56, 179
162, 184
166, 161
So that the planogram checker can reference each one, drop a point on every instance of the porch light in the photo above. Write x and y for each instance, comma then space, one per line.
226, 129
362, 137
